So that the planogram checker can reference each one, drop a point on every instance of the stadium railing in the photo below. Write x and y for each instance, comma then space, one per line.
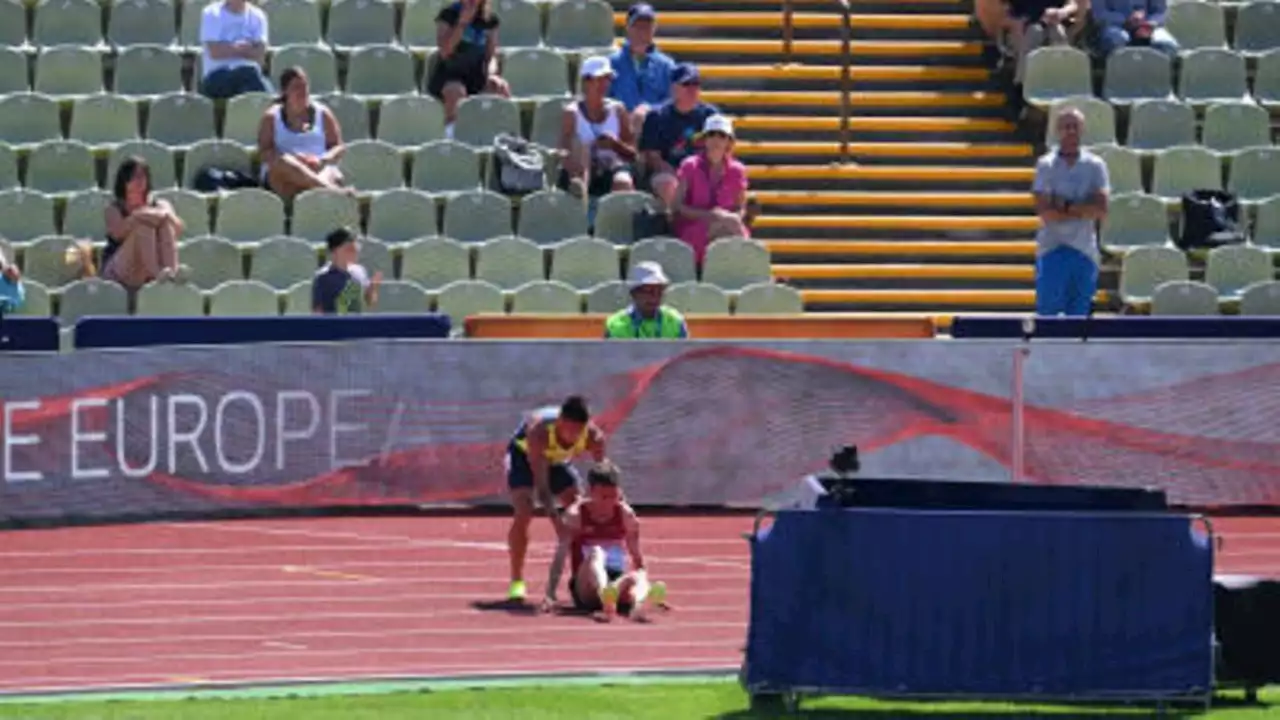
1115, 328
825, 326
27, 334
125, 332
846, 53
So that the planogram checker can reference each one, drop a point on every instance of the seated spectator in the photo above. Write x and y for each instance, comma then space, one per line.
670, 130
642, 72
342, 286
596, 137
1122, 23
1036, 23
12, 294
647, 317
467, 35
234, 36
299, 140
142, 231
993, 18
711, 198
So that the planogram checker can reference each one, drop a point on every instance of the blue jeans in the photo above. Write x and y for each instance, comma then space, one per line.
229, 82
1113, 38
1066, 280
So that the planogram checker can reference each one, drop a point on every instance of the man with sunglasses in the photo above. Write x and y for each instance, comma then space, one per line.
670, 132
647, 318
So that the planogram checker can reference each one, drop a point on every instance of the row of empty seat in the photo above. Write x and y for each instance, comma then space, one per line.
251, 214
1252, 174
1227, 127
1232, 276
570, 24
1136, 219
1250, 27
1191, 298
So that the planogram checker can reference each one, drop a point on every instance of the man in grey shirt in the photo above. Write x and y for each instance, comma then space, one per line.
1071, 189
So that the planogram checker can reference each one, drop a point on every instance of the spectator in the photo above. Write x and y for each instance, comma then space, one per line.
343, 286
992, 17
1071, 190
596, 137
642, 73
1133, 22
12, 293
711, 199
1036, 23
299, 140
670, 130
234, 36
467, 35
647, 317
142, 231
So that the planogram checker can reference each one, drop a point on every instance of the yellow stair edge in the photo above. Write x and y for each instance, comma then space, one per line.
832, 98
906, 271
873, 124
747, 148
936, 298
855, 198
878, 48
972, 223
856, 248
863, 73
900, 173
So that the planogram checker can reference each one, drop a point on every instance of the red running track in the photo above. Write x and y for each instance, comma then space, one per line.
360, 598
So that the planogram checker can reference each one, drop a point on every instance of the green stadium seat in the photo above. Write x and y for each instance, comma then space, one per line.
1180, 170
608, 297
481, 118
352, 115
372, 166
283, 261
1134, 220
293, 22
8, 168
435, 262
769, 298
399, 296
509, 262
45, 261
1137, 73
316, 213
411, 120
28, 119
13, 25
1232, 268
142, 22
548, 118
67, 22
550, 216
1197, 25
1234, 126
380, 70
402, 215
215, 153
1146, 268
615, 215
1266, 226
192, 207
243, 298
68, 70
248, 215
189, 25
159, 158
1124, 167
446, 166
580, 25
60, 167
734, 263
297, 299
418, 27
1255, 173
376, 257
1266, 80
477, 216
104, 120
1159, 124
355, 24
38, 303
244, 116
317, 61
212, 261
13, 63
521, 23
1257, 28
1184, 298
463, 298
85, 215
27, 214
585, 262
546, 297
536, 73
92, 296
674, 255
1215, 75
169, 299
181, 120
697, 298
1257, 299
1056, 72
1099, 121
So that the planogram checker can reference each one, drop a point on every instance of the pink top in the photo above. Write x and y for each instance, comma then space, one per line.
702, 193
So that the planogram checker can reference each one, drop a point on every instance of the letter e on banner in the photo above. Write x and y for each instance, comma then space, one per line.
12, 441
79, 437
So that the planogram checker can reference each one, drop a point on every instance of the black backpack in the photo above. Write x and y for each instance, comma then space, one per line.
1210, 219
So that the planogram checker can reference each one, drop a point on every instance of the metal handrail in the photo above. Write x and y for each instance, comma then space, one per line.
788, 28
846, 61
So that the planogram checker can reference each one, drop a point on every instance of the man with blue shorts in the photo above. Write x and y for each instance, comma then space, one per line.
538, 464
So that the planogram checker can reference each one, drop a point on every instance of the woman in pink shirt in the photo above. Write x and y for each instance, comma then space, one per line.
712, 196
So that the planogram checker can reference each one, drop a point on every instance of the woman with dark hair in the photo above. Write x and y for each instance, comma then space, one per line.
299, 140
142, 231
467, 35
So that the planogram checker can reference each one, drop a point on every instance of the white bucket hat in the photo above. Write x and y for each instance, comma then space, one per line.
718, 124
597, 66
646, 273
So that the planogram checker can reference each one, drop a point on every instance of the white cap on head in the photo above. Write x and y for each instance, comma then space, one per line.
718, 124
596, 66
646, 273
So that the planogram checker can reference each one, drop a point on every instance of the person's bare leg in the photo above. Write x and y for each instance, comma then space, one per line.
622, 182
589, 579
725, 227
594, 566
143, 260
167, 246
664, 187
566, 498
452, 95
495, 85
288, 176
518, 536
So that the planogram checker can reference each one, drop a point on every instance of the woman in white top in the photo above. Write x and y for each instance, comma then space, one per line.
299, 140
597, 137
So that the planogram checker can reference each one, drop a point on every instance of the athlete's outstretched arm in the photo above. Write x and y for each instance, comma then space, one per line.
536, 451
632, 524
595, 442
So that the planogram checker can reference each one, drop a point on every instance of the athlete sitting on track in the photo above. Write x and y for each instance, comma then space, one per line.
601, 525
538, 464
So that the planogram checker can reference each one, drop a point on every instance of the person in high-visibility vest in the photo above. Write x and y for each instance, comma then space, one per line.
647, 317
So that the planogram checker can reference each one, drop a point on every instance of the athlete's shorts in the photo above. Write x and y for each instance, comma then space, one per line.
561, 477
614, 565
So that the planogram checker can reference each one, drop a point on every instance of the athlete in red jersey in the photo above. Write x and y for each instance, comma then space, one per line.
601, 526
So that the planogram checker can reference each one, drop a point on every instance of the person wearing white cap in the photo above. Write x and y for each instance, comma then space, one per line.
711, 198
647, 318
596, 137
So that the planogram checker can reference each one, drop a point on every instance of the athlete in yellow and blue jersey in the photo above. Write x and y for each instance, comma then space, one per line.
538, 464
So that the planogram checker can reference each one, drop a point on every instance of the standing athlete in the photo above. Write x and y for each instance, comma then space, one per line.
538, 460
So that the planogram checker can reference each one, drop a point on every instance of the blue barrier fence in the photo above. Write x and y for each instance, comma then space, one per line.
1117, 328
23, 334
991, 604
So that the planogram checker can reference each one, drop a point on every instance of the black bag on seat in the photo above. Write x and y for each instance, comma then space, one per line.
1210, 219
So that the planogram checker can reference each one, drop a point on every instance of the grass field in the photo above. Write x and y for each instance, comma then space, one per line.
685, 701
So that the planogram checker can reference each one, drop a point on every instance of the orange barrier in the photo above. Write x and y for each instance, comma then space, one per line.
824, 326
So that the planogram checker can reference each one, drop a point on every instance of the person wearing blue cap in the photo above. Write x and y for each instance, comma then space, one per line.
642, 72
671, 131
